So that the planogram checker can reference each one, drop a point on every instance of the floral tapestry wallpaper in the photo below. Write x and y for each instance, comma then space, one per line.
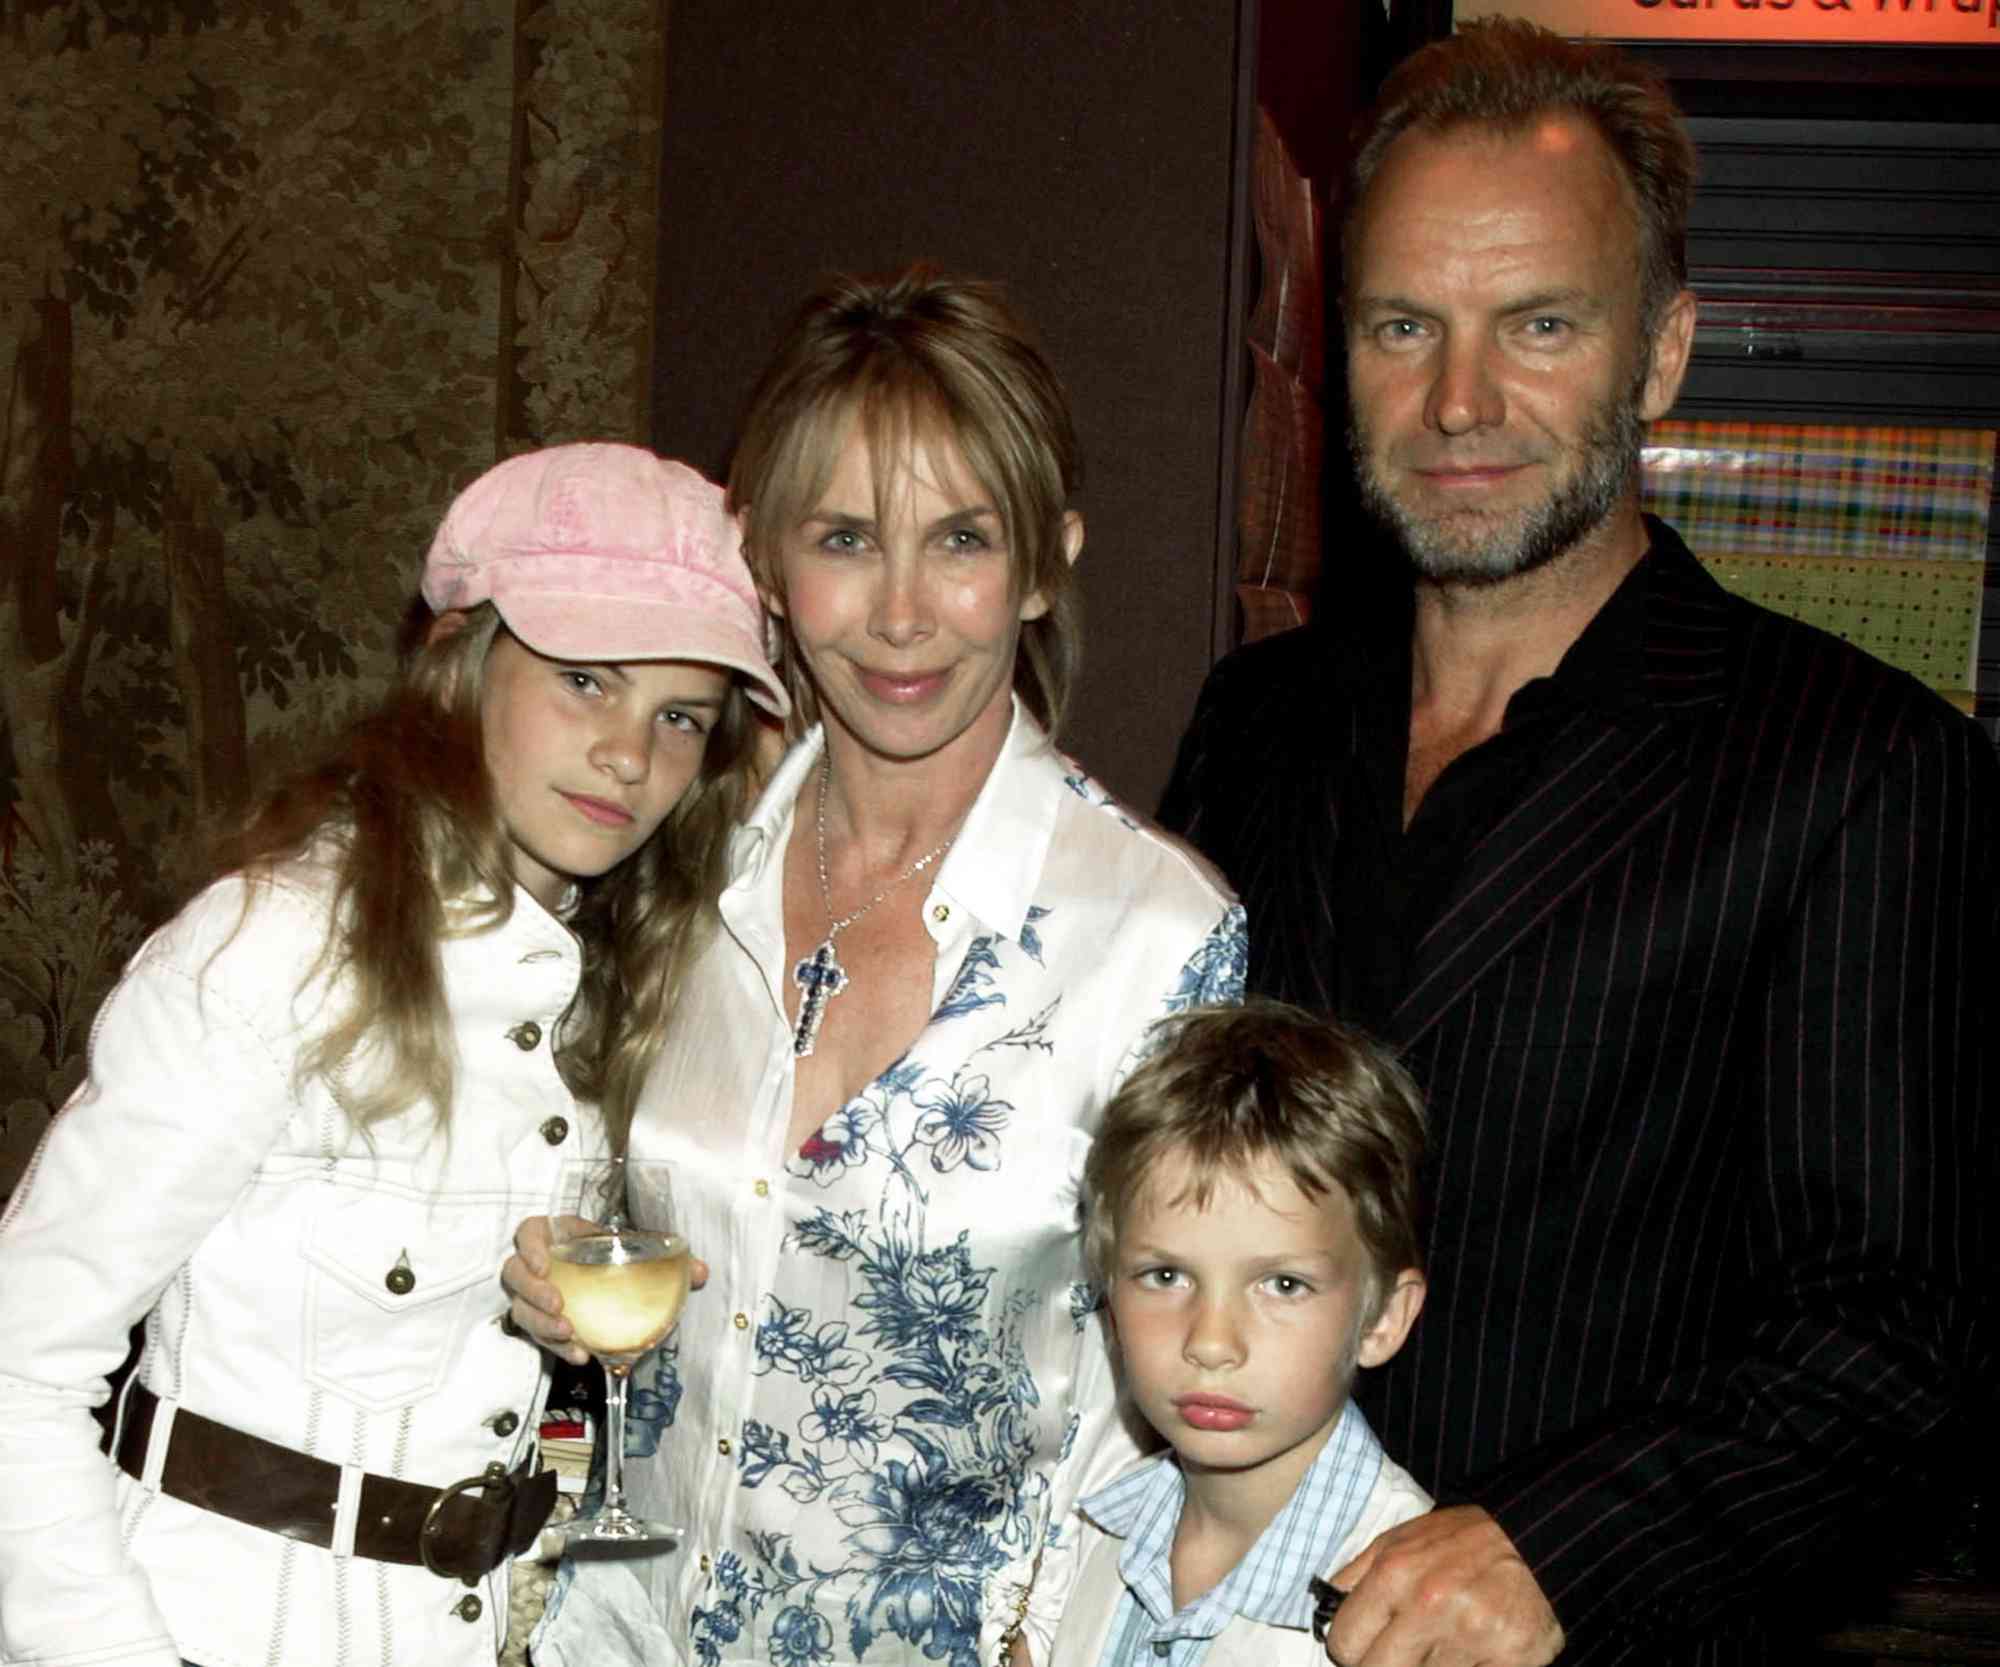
276, 277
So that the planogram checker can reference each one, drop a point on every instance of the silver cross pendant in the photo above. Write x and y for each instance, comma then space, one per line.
820, 977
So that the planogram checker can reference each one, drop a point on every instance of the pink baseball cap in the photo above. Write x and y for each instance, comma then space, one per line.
603, 552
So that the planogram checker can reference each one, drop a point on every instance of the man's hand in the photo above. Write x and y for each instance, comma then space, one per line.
537, 1306
1446, 1590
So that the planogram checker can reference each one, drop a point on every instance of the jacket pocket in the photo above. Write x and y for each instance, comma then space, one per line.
393, 1286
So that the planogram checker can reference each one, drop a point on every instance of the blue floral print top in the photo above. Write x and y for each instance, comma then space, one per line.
876, 1418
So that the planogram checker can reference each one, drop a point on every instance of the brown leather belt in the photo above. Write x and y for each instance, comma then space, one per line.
461, 1531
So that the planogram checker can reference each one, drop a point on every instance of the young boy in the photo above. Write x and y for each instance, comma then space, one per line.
1250, 1213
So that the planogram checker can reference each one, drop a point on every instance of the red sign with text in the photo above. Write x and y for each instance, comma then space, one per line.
1878, 22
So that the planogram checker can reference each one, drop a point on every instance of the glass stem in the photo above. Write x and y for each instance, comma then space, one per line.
615, 1378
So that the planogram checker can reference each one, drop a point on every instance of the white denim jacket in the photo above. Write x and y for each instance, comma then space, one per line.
193, 1184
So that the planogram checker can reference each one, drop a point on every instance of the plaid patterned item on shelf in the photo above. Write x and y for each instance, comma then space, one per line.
1782, 489
1878, 535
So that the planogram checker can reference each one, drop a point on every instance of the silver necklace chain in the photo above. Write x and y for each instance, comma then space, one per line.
826, 890
820, 976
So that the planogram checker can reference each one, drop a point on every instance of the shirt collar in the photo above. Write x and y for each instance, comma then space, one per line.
1604, 669
1143, 1506
994, 862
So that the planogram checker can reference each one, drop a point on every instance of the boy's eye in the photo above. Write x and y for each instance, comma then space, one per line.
1288, 1285
1158, 1279
841, 541
965, 540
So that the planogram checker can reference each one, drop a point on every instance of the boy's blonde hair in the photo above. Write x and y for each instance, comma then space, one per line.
1227, 1088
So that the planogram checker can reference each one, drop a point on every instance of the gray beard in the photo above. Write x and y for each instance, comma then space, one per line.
1488, 552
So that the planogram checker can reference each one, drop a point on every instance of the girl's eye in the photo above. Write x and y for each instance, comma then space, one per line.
1288, 1285
675, 718
842, 541
1158, 1279
965, 540
583, 682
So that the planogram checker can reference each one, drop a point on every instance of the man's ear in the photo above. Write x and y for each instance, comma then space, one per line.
1035, 604
1399, 1312
446, 626
1671, 346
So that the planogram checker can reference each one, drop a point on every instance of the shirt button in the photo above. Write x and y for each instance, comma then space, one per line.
742, 1322
556, 1130
527, 1036
761, 1188
704, 1562
941, 913
468, 1608
722, 1447
1162, 1648
507, 1423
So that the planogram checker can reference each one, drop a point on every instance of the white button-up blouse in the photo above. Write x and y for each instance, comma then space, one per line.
876, 1417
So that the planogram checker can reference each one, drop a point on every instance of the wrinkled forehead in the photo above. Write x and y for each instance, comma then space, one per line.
1496, 166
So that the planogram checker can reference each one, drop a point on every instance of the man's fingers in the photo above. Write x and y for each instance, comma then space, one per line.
1443, 1590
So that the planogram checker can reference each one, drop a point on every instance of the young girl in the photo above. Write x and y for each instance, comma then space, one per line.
323, 1095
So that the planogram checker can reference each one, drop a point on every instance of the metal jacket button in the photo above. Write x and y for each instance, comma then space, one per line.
468, 1608
556, 1130
400, 1280
507, 1423
527, 1036
722, 1447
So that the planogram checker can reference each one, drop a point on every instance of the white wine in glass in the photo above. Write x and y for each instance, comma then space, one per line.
623, 1274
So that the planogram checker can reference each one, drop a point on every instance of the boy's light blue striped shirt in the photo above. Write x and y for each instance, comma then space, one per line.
1144, 1507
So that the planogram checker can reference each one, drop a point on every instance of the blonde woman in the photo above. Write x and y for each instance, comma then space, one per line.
942, 948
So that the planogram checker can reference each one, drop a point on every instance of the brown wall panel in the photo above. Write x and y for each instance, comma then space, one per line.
1088, 154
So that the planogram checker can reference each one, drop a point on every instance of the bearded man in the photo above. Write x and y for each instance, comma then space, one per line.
1676, 908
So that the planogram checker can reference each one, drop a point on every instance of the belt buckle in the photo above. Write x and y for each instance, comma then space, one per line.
495, 1475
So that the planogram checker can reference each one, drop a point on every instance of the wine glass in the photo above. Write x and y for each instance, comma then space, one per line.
623, 1273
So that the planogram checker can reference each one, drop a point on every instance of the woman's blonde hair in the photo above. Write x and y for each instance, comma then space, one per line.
404, 809
920, 355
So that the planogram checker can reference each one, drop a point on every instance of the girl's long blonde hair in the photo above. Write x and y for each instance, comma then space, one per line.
403, 810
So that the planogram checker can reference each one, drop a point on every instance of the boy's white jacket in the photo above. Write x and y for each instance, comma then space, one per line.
1093, 1606
191, 1183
